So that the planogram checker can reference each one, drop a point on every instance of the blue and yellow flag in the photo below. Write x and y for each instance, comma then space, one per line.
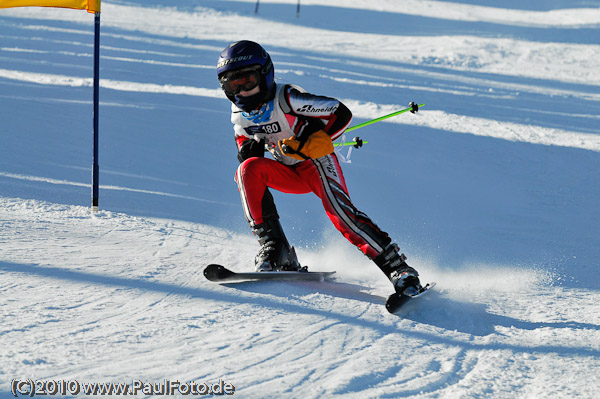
89, 5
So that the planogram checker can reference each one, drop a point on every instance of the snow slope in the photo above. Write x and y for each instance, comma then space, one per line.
491, 190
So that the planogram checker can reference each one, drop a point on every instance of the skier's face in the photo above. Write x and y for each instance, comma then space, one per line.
252, 92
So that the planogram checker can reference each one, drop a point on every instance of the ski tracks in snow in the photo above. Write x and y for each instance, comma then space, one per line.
135, 285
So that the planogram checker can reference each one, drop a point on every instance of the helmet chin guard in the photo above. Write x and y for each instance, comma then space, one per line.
249, 103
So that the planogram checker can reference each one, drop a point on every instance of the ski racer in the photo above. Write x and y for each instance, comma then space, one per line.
297, 128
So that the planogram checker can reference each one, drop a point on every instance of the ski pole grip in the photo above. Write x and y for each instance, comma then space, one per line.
357, 142
287, 149
414, 107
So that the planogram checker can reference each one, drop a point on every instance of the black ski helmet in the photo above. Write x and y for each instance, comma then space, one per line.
244, 54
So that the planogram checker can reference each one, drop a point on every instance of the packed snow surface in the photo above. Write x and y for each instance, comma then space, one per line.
492, 190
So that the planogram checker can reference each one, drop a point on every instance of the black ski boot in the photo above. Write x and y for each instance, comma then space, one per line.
404, 278
275, 252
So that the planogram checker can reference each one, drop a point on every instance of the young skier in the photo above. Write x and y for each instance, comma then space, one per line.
297, 128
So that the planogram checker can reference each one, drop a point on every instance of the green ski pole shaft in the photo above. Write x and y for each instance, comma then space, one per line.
413, 108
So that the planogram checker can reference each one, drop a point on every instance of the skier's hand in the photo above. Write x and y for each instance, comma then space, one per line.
251, 148
317, 145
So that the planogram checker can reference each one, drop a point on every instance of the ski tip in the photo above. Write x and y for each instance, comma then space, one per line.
395, 301
214, 272
212, 268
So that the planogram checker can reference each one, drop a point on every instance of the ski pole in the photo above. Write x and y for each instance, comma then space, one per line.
357, 142
412, 107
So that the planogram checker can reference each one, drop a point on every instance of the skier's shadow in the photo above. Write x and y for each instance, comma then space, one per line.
298, 289
434, 309
472, 318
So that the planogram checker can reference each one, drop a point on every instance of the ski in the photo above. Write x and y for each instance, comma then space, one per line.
221, 274
396, 301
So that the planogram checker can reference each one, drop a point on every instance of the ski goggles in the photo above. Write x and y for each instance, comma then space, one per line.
244, 79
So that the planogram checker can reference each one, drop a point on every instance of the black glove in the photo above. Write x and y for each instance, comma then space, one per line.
251, 148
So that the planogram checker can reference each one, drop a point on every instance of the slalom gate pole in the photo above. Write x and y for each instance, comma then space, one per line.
96, 84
